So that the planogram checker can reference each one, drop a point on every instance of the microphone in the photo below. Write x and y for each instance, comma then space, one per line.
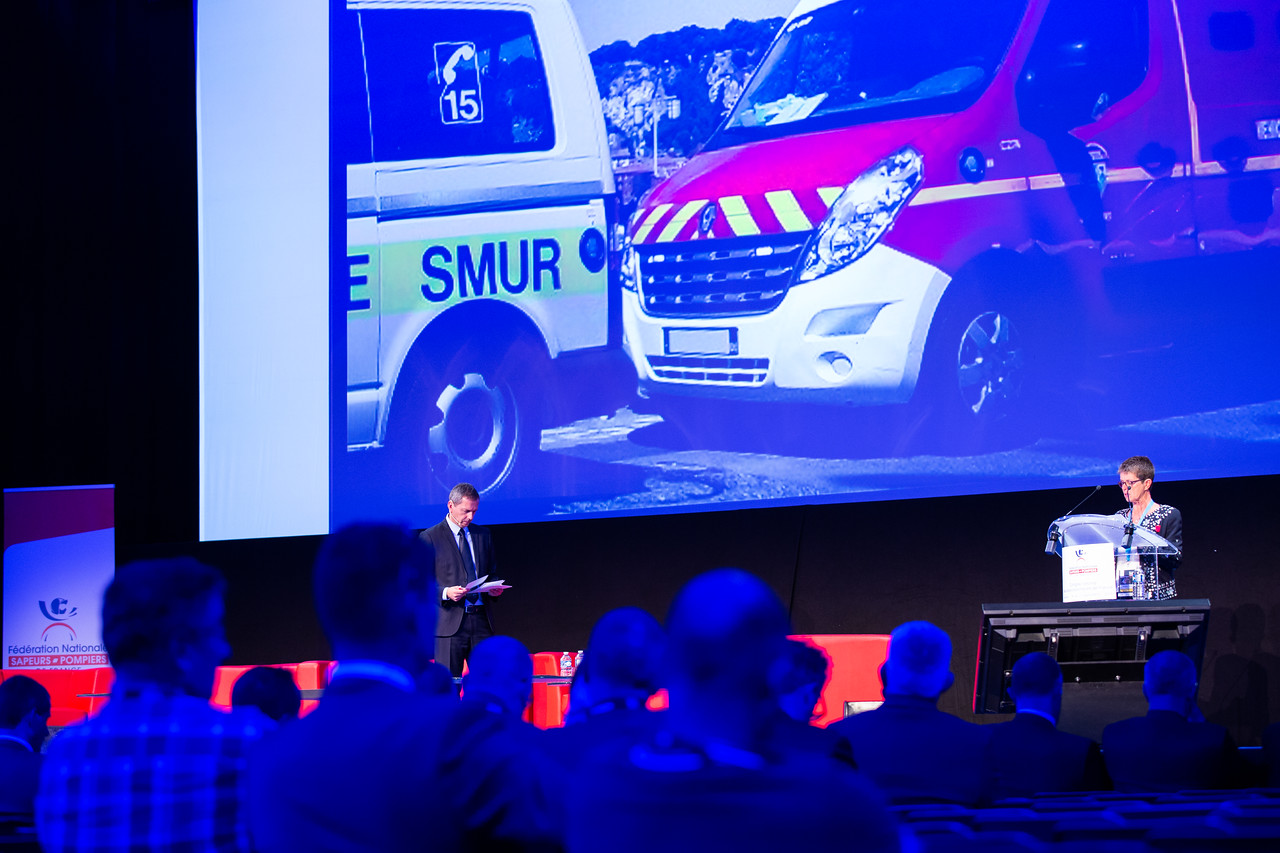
1054, 536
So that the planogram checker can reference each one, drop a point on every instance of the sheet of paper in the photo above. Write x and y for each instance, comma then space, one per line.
1088, 573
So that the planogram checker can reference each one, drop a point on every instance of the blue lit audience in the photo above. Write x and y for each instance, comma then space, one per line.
1028, 755
708, 779
270, 690
158, 768
1169, 750
392, 759
381, 765
915, 752
24, 724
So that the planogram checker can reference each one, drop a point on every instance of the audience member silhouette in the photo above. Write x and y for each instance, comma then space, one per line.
619, 672
434, 679
379, 765
269, 689
799, 685
1167, 750
158, 768
24, 724
912, 750
501, 679
1028, 755
707, 779
798, 681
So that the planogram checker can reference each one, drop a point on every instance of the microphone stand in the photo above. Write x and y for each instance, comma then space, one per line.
1054, 536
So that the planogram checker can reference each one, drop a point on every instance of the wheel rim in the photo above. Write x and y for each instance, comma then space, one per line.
989, 365
476, 435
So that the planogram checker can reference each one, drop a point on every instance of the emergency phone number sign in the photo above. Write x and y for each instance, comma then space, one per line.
459, 74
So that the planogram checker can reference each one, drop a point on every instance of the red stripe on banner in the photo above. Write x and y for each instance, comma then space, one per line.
47, 513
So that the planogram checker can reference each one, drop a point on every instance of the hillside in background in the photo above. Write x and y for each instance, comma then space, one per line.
704, 68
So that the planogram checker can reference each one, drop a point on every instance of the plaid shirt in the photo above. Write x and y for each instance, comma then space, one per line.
152, 771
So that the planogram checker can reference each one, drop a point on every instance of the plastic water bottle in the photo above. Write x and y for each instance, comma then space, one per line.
577, 661
566, 665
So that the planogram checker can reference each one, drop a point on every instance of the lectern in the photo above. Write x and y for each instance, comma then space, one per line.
1105, 557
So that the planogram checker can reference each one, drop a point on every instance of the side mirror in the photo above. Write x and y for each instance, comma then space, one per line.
1062, 88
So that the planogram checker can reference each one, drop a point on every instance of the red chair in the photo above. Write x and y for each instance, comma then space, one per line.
224, 679
311, 675
69, 691
550, 701
855, 671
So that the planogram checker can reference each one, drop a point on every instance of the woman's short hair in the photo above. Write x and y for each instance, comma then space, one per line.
1140, 467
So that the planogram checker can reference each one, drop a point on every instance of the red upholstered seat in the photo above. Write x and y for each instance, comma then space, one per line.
68, 689
308, 675
550, 701
855, 671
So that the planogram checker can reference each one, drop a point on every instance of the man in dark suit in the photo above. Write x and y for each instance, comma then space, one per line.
1166, 750
912, 750
24, 724
464, 552
1028, 755
380, 765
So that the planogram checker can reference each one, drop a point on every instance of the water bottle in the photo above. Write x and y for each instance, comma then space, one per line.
566, 665
577, 661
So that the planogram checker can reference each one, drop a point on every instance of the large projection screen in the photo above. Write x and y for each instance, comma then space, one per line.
603, 258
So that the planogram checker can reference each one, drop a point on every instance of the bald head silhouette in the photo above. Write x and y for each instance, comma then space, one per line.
625, 650
1169, 682
725, 631
500, 668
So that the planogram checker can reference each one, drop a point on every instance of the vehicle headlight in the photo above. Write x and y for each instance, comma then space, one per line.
630, 269
863, 212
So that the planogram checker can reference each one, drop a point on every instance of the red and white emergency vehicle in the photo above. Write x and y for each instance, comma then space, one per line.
918, 202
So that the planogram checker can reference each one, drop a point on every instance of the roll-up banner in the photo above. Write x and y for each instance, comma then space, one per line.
59, 556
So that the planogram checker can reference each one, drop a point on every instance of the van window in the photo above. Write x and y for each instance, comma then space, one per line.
451, 82
1099, 44
869, 60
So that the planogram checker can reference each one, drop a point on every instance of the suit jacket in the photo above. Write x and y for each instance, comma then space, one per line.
918, 754
378, 768
1164, 751
1028, 756
451, 572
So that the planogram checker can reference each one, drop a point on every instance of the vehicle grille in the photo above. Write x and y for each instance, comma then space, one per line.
732, 371
717, 278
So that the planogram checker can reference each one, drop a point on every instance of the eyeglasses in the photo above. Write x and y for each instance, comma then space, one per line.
1124, 484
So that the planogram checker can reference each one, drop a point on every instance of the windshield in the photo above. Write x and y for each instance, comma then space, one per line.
866, 60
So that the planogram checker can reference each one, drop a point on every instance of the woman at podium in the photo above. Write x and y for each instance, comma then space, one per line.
1136, 475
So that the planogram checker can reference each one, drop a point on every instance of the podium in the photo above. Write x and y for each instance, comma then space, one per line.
1105, 557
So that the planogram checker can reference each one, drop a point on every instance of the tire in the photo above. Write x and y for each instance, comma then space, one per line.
982, 373
471, 419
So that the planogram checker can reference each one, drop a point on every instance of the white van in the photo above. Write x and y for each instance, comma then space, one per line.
478, 197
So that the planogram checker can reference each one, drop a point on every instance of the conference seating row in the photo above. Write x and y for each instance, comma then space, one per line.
855, 665
1104, 822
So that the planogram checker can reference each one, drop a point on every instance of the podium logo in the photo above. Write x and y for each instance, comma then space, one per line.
57, 611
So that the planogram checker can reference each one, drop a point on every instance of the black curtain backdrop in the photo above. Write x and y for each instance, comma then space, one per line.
101, 362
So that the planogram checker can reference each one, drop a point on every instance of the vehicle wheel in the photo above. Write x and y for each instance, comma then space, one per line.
979, 379
471, 419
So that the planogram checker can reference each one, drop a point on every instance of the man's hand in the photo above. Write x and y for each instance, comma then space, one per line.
455, 593
495, 592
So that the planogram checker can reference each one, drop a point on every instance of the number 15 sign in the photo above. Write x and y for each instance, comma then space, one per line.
456, 69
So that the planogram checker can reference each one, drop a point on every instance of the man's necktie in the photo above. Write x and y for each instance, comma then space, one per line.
467, 563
